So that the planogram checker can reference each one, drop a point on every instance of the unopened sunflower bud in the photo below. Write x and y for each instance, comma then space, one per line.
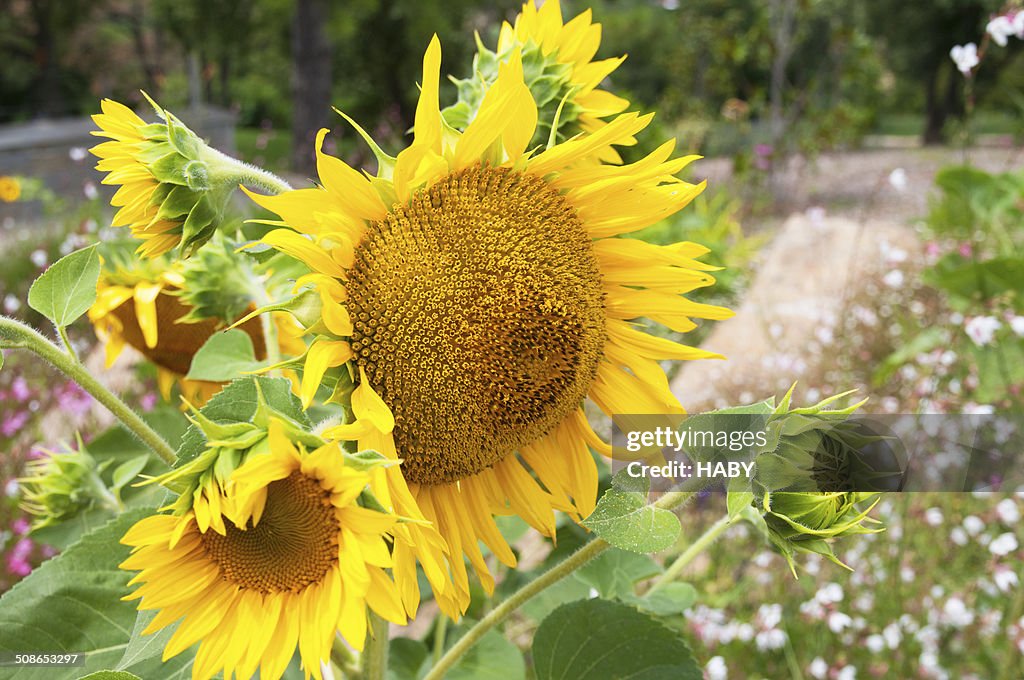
814, 449
62, 484
804, 522
813, 479
173, 186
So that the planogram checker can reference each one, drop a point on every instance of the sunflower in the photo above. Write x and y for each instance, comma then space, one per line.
562, 74
289, 560
479, 295
146, 307
10, 189
164, 172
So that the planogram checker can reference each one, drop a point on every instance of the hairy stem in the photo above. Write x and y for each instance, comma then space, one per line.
14, 334
227, 169
375, 653
552, 576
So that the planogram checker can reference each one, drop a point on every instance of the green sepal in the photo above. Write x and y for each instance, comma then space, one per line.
183, 139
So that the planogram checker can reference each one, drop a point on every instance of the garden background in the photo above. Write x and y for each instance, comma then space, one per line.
865, 196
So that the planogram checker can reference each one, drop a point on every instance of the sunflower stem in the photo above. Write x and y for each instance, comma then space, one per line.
225, 169
440, 631
694, 549
375, 653
14, 334
552, 576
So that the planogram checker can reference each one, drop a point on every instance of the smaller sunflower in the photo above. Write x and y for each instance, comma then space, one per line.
146, 305
10, 189
166, 195
291, 560
560, 70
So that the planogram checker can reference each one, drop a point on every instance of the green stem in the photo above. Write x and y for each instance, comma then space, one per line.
14, 334
440, 632
552, 576
63, 332
224, 168
375, 653
343, 660
694, 549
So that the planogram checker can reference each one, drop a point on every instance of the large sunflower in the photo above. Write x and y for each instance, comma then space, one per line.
563, 76
481, 295
141, 304
286, 559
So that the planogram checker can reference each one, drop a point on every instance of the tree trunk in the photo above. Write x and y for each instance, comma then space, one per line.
47, 88
311, 80
942, 100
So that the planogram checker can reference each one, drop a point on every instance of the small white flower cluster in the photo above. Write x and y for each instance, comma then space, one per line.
965, 57
1005, 26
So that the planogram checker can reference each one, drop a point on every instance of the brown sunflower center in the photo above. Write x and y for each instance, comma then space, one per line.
478, 317
177, 343
294, 544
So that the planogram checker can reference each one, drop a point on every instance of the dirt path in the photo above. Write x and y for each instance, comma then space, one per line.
849, 225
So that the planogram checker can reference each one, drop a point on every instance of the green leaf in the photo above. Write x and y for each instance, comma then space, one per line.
614, 573
224, 357
551, 598
672, 599
110, 675
624, 519
237, 403
735, 501
925, 341
72, 604
492, 658
67, 289
126, 472
600, 639
406, 658
144, 653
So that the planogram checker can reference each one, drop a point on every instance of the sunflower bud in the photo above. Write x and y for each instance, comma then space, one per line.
802, 522
61, 484
814, 449
814, 477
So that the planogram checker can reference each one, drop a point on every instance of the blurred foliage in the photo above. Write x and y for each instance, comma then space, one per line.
976, 277
801, 75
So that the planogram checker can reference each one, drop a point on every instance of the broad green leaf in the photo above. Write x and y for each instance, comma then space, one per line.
624, 519
599, 639
67, 289
614, 573
672, 599
143, 655
110, 675
406, 659
237, 403
224, 357
72, 603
